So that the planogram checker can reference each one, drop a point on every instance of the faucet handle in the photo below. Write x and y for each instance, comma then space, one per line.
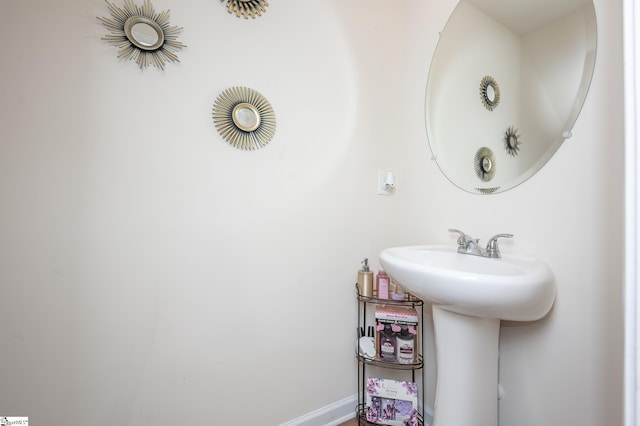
461, 236
464, 239
492, 245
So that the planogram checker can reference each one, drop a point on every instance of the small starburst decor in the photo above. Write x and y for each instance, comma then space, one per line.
489, 92
512, 141
244, 118
484, 163
142, 35
247, 8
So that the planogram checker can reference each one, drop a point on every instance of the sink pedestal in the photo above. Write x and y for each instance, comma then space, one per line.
467, 369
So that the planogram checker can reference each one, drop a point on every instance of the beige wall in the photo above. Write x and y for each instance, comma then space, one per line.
152, 274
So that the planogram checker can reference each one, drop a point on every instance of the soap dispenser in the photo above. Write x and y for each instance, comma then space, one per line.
365, 279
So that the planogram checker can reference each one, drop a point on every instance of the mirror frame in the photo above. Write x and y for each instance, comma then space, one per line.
134, 20
237, 120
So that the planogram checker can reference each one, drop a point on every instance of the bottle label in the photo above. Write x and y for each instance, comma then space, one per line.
405, 351
387, 349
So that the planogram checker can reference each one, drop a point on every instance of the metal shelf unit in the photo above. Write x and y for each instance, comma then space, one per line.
364, 361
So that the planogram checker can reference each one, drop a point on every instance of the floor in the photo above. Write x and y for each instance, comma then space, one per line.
352, 422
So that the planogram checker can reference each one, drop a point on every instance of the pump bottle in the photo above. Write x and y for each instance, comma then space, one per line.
365, 279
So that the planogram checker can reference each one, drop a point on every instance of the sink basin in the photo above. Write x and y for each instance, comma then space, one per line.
470, 295
514, 287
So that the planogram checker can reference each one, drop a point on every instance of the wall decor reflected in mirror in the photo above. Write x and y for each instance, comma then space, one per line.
247, 8
489, 92
538, 58
512, 141
244, 118
142, 35
484, 163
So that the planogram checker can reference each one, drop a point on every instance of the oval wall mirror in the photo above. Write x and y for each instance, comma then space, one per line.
144, 33
510, 77
246, 117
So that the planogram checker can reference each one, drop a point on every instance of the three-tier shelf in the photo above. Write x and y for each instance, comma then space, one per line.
413, 371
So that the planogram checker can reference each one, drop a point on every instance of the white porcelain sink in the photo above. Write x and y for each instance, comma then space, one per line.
514, 287
469, 296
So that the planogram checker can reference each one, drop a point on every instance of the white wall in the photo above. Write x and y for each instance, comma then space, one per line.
152, 274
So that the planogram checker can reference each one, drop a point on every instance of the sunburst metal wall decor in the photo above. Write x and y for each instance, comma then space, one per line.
247, 8
244, 118
486, 191
484, 163
142, 35
512, 141
489, 92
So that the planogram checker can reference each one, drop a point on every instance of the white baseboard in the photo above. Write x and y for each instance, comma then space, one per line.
331, 415
339, 412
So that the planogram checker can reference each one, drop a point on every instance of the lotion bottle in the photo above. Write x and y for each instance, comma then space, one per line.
382, 284
405, 345
387, 344
365, 279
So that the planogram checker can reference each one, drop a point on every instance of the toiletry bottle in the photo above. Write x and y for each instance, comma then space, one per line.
406, 346
397, 293
382, 284
387, 344
365, 280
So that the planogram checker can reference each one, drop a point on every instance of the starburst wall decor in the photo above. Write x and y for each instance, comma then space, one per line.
247, 8
244, 118
484, 163
142, 35
489, 92
512, 141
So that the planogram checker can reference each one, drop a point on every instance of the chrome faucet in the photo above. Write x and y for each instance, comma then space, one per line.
469, 245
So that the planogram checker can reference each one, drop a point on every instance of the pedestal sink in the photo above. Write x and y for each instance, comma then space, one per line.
470, 295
